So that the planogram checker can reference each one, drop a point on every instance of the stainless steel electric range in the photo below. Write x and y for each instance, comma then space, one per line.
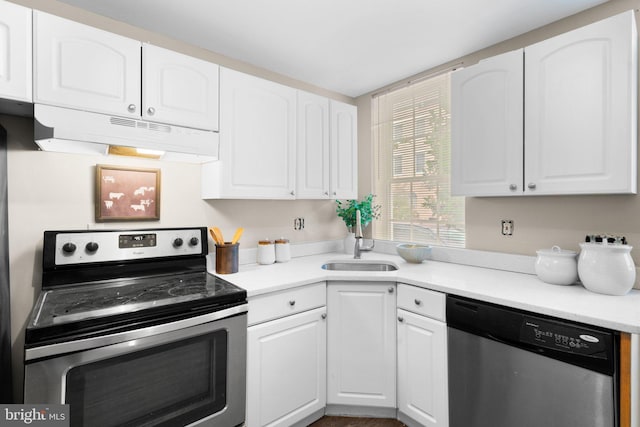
130, 329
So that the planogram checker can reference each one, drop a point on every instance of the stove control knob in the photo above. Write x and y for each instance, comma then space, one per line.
68, 248
177, 242
194, 241
91, 247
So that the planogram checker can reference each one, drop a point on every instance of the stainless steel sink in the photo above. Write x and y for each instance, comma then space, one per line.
346, 265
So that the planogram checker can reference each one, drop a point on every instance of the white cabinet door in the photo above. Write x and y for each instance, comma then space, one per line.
312, 180
486, 133
286, 369
15, 52
580, 112
179, 89
361, 363
82, 67
257, 140
344, 150
422, 369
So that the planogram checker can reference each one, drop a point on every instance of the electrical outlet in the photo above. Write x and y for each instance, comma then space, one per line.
298, 224
507, 227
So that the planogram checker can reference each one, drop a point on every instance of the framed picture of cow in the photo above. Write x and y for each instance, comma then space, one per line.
127, 194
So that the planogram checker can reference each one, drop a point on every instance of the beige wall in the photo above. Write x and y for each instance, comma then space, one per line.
539, 222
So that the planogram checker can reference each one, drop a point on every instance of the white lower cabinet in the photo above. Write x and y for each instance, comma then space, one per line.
368, 347
422, 369
286, 358
422, 357
361, 361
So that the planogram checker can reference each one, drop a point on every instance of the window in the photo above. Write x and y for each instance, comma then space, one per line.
412, 156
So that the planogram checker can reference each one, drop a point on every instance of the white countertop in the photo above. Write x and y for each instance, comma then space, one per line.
519, 290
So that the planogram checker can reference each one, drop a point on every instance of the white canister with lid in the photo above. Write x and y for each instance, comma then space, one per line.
606, 268
557, 266
283, 250
266, 252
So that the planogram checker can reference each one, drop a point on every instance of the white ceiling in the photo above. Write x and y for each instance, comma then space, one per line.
347, 46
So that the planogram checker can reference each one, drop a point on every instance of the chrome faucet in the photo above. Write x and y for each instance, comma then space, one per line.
358, 247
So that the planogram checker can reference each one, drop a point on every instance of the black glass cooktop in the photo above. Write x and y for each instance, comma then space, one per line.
102, 307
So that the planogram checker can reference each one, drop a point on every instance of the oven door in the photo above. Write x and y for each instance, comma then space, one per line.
190, 376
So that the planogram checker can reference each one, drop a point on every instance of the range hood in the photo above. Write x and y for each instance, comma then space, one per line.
73, 131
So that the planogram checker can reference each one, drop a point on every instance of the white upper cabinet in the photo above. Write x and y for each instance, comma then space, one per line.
82, 67
277, 142
580, 113
579, 129
486, 134
179, 89
257, 140
313, 166
15, 52
344, 150
85, 68
327, 165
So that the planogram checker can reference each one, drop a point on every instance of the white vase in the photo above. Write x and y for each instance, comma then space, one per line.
349, 243
606, 268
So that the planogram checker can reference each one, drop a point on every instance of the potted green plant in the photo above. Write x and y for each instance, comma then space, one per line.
347, 211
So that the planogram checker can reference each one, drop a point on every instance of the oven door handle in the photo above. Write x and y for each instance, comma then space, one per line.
47, 351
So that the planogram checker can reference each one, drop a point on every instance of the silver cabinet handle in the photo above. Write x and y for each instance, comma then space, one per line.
513, 187
151, 111
326, 193
400, 319
323, 315
292, 302
390, 289
531, 186
131, 108
417, 301
334, 193
293, 193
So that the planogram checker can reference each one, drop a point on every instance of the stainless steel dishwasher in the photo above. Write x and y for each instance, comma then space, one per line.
511, 368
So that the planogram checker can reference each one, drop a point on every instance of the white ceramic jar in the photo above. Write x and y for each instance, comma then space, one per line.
283, 250
606, 268
557, 266
266, 252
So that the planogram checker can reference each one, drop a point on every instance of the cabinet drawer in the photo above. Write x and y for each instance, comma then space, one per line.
291, 301
422, 301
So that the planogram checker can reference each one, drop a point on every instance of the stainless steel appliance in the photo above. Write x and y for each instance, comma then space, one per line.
130, 329
512, 368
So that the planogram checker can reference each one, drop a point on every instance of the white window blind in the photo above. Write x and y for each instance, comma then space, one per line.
412, 165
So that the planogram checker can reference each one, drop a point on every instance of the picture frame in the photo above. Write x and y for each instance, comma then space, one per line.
127, 194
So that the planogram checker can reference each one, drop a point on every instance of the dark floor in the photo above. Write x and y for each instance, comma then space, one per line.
356, 422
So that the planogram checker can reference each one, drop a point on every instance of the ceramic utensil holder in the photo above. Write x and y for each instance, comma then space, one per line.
227, 258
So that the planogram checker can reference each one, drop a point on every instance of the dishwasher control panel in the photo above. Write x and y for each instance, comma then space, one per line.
579, 344
556, 336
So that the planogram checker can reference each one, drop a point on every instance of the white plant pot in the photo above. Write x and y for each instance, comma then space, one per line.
349, 243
